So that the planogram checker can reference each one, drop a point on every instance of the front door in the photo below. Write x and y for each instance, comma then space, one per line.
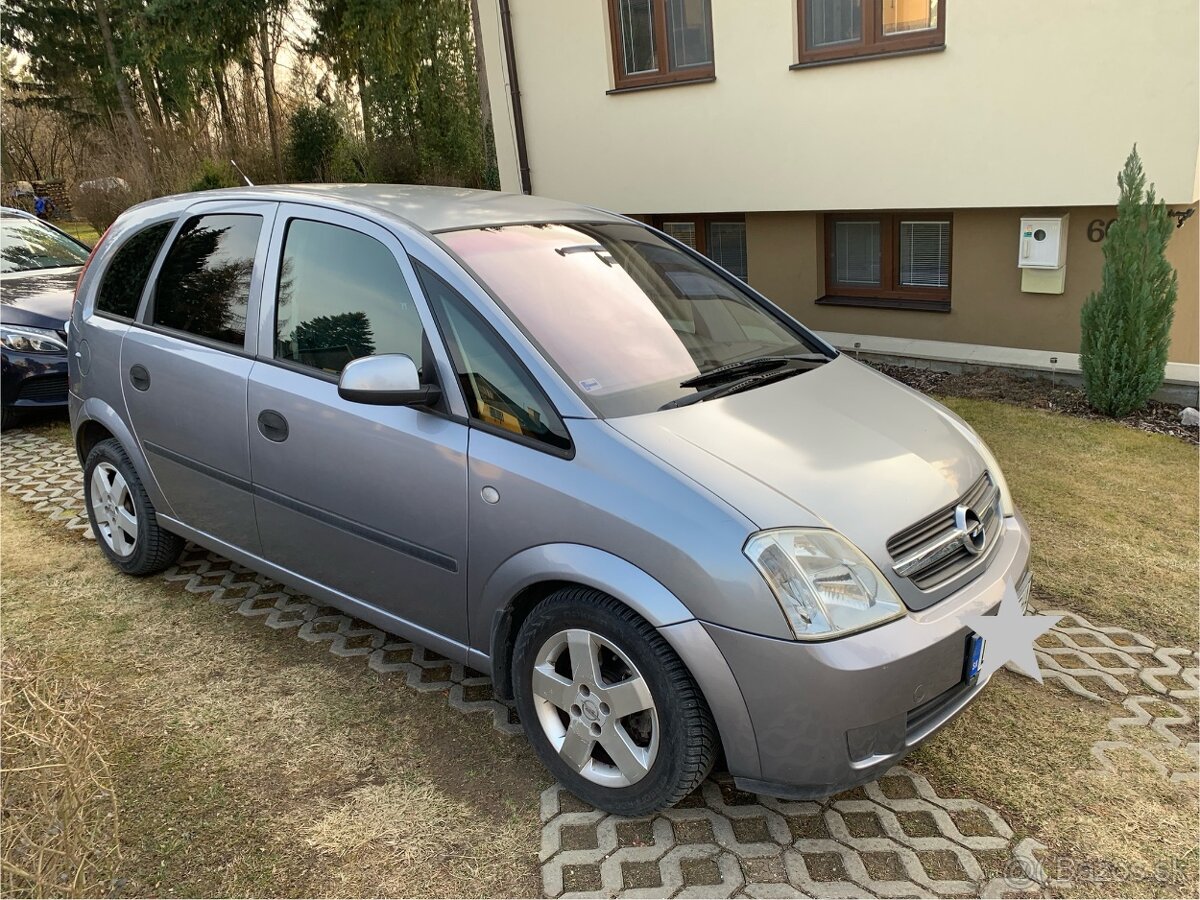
369, 501
185, 363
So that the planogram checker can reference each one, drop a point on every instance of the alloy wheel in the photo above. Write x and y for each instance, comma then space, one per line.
595, 708
113, 507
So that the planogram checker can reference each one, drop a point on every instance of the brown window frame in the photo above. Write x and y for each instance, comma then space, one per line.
874, 43
701, 221
890, 293
664, 76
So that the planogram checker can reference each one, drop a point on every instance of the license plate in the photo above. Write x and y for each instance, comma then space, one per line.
974, 658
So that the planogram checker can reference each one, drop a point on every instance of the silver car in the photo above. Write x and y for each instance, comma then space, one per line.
556, 446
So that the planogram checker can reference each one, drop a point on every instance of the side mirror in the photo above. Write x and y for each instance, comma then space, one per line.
390, 379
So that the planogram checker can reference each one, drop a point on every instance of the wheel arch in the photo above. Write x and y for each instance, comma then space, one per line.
527, 578
97, 421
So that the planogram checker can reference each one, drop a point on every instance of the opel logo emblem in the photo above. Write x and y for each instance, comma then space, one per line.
970, 529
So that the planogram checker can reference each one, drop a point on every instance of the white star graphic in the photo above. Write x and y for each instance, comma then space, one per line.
1010, 635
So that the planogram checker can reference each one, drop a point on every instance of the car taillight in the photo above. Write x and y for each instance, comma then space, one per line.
91, 256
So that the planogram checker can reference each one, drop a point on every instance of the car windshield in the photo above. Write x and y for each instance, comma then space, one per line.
27, 245
622, 314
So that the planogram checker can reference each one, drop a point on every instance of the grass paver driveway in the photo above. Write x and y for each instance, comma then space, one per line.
245, 761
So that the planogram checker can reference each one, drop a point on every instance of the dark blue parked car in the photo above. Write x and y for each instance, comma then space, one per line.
39, 266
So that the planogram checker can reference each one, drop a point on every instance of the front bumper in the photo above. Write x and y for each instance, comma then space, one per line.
829, 716
33, 380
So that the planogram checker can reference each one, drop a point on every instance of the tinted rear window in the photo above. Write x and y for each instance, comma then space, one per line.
204, 285
125, 278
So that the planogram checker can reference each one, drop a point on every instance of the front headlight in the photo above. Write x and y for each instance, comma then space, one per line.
27, 339
824, 584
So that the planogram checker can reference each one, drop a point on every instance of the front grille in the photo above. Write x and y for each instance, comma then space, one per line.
984, 498
45, 389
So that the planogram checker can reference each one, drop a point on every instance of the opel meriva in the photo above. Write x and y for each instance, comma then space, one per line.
559, 447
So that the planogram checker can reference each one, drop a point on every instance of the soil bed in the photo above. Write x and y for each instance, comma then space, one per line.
1037, 393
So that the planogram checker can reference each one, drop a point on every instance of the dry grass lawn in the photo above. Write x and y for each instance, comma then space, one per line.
1024, 750
81, 231
246, 762
59, 832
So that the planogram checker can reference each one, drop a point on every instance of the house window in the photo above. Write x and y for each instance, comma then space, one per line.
657, 42
721, 237
840, 30
900, 260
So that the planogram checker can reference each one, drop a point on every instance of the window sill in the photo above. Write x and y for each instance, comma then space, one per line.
654, 85
938, 306
863, 57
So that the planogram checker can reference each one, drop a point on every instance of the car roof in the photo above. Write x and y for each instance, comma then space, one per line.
18, 213
425, 206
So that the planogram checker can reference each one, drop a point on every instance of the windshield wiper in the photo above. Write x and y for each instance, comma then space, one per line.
734, 370
737, 386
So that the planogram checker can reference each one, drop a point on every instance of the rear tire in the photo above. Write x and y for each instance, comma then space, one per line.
121, 514
608, 706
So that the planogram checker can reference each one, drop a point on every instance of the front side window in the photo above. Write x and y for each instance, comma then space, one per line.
27, 245
341, 295
125, 278
203, 287
889, 257
833, 30
498, 389
720, 237
622, 314
661, 41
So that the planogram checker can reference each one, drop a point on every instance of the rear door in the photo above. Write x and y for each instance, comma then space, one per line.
185, 362
369, 501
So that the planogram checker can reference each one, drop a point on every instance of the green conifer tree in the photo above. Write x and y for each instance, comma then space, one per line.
1126, 325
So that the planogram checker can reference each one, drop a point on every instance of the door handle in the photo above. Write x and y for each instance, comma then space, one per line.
273, 426
139, 377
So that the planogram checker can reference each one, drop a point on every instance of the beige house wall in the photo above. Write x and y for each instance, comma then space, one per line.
1032, 102
786, 262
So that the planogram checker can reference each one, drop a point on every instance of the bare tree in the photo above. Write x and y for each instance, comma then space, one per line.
269, 38
122, 85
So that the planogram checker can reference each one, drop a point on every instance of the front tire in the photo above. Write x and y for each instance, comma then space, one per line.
122, 515
608, 706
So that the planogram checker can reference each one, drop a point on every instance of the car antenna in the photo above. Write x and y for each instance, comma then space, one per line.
238, 169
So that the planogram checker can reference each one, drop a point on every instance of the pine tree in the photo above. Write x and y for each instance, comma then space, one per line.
1126, 325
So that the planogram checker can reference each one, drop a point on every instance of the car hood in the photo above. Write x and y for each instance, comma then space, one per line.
41, 299
840, 446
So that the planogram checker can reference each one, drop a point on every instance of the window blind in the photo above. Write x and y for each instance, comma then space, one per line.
925, 254
856, 252
727, 246
832, 22
684, 232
